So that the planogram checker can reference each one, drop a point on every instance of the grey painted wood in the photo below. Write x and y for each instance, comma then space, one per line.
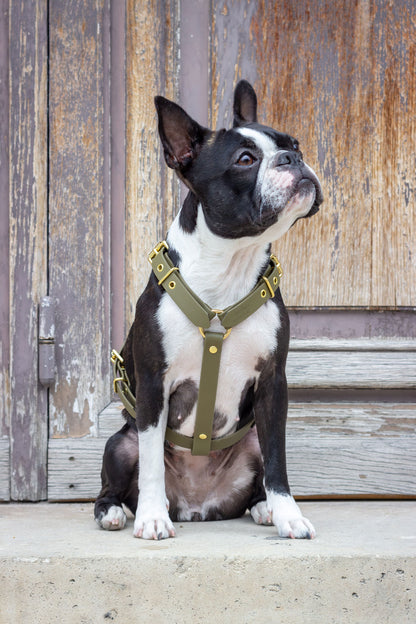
79, 213
4, 220
351, 369
353, 344
4, 469
340, 449
28, 244
74, 468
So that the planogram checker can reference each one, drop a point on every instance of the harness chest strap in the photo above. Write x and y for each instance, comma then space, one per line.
201, 315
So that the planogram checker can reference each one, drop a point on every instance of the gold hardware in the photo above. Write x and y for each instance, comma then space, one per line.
278, 265
172, 285
227, 333
202, 436
156, 250
166, 277
268, 286
217, 311
263, 293
160, 267
213, 349
115, 382
275, 280
116, 356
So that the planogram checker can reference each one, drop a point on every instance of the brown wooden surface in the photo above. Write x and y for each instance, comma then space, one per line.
79, 214
151, 191
341, 78
28, 255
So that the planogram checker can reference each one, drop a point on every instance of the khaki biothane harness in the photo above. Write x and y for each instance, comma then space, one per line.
201, 315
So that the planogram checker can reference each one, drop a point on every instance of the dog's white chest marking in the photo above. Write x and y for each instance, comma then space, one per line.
251, 341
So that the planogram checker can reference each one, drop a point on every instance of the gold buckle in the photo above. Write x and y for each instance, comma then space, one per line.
116, 356
227, 333
156, 250
167, 275
268, 286
278, 265
115, 382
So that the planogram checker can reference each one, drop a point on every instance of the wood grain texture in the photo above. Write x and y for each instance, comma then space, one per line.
78, 215
4, 469
341, 78
27, 249
349, 369
337, 449
74, 468
151, 191
4, 220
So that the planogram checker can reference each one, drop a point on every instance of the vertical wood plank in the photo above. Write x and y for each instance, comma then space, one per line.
4, 221
341, 78
151, 191
28, 258
79, 214
118, 170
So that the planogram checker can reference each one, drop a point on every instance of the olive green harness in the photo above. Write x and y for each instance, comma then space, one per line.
201, 315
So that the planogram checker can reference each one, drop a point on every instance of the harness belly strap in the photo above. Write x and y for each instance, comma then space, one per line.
200, 314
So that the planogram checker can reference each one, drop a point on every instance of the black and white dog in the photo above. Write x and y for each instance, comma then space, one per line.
247, 187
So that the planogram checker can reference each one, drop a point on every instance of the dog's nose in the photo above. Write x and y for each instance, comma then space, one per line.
287, 158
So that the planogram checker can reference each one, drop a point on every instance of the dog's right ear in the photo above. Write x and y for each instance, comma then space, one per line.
181, 136
245, 104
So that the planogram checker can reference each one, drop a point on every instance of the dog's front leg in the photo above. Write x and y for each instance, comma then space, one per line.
152, 517
271, 412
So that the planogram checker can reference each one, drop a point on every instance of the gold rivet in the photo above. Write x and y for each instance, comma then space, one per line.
263, 293
275, 281
160, 267
202, 436
213, 349
172, 285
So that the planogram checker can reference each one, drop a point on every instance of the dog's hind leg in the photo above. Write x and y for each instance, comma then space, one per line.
119, 480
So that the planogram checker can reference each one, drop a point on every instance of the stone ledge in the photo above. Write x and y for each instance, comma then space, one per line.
57, 566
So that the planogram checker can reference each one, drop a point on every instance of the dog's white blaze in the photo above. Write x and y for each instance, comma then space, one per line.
265, 143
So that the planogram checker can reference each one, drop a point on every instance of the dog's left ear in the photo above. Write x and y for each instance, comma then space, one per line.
245, 104
181, 136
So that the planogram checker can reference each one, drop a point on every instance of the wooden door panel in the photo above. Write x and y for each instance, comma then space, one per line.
151, 191
341, 78
78, 216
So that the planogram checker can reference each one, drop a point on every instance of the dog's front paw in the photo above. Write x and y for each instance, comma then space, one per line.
153, 523
112, 520
260, 513
287, 517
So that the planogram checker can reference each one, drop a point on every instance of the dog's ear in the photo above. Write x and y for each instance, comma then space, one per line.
245, 104
181, 136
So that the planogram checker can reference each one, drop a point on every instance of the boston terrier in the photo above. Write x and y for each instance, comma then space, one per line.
247, 187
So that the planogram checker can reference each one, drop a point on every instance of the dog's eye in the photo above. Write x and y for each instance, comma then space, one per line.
295, 146
246, 160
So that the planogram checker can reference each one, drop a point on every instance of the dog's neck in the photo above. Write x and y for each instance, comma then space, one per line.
221, 271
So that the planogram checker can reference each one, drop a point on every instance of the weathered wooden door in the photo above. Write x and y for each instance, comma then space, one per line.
340, 76
55, 58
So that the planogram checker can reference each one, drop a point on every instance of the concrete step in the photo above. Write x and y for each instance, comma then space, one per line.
56, 565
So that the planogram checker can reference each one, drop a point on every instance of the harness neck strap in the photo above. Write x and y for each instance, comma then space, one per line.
198, 312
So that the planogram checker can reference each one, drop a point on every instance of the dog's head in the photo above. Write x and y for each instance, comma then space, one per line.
250, 180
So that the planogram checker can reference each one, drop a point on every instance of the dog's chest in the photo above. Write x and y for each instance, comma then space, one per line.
243, 353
